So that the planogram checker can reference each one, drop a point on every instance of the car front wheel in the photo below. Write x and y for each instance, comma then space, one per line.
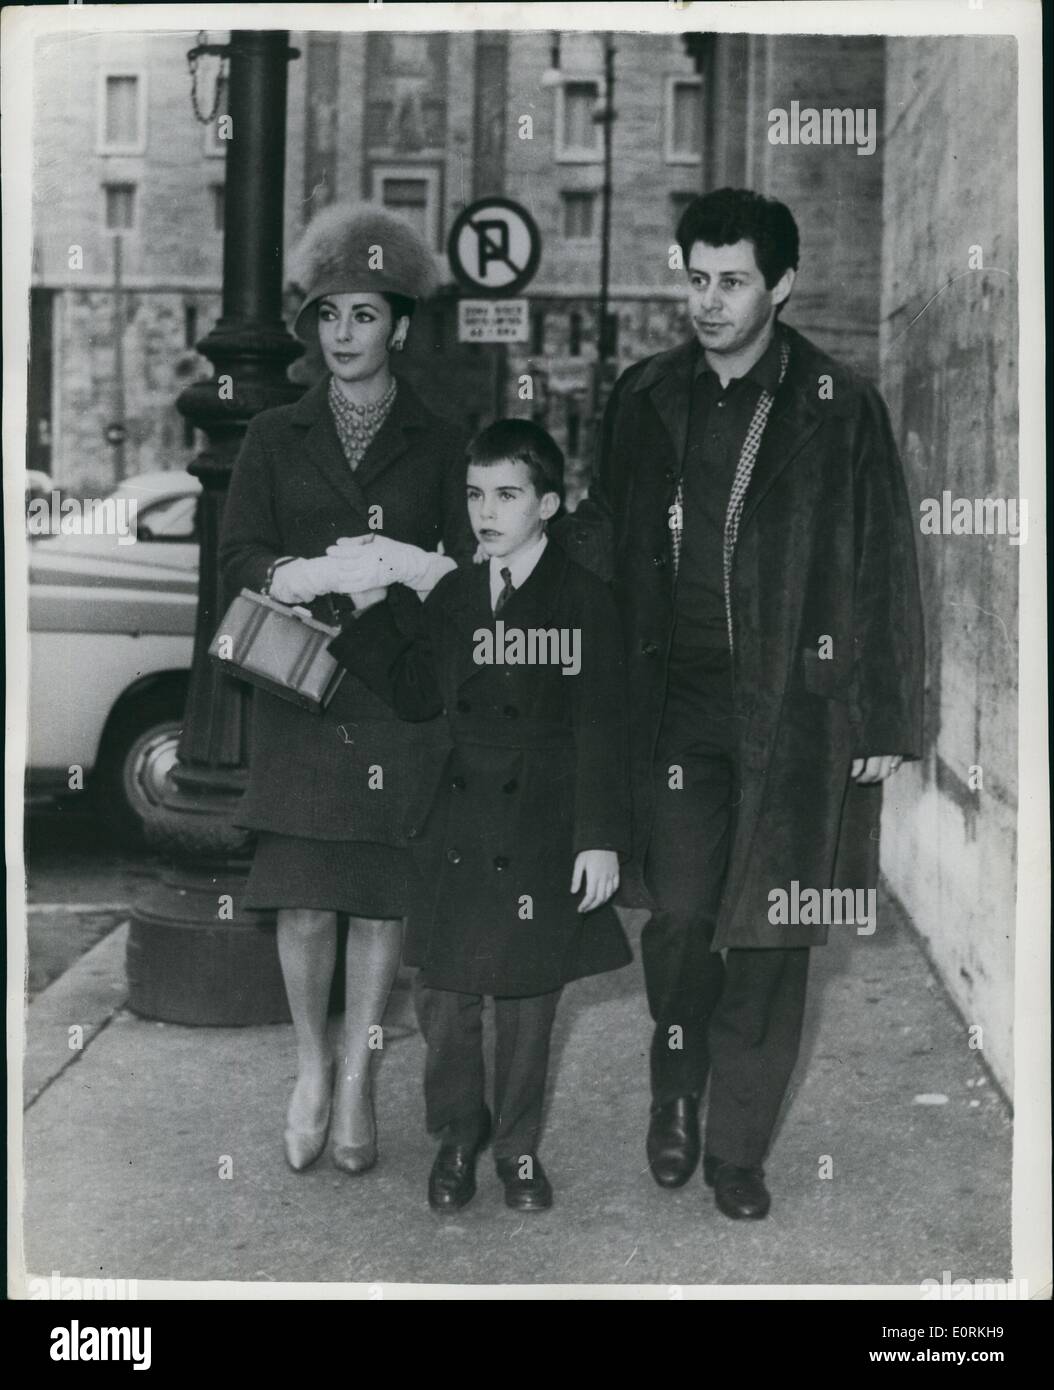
136, 764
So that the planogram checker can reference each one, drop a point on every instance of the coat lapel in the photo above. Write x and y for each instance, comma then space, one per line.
392, 440
322, 447
795, 418
670, 385
531, 605
469, 610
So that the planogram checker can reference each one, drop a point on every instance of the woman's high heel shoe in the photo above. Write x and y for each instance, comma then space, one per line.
303, 1146
357, 1158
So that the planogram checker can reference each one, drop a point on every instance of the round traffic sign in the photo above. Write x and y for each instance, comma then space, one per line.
494, 247
116, 434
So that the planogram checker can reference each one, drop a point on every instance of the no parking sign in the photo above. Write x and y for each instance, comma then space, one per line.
494, 247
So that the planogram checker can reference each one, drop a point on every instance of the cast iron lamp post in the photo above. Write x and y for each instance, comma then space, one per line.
193, 955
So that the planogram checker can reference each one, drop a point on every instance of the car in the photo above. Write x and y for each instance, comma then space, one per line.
111, 640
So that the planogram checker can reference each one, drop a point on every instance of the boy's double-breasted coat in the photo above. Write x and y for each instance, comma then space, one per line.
349, 772
826, 615
538, 770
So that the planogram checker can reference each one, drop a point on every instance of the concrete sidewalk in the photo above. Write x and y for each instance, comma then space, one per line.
125, 1140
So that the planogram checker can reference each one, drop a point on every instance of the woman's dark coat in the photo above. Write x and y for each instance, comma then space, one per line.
294, 493
538, 771
825, 550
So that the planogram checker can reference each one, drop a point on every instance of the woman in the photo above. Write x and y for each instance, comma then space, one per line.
358, 455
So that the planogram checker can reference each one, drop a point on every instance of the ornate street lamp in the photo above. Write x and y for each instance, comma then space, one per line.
193, 955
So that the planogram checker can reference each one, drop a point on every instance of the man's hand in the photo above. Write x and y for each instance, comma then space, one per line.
373, 561
598, 870
875, 769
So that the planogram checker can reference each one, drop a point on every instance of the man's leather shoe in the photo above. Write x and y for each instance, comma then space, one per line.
531, 1193
673, 1141
452, 1181
739, 1192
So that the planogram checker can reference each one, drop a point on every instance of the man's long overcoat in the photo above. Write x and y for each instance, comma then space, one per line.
827, 626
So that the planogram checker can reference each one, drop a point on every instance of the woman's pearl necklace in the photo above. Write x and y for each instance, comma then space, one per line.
357, 424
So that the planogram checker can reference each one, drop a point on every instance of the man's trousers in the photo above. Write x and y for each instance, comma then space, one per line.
736, 1021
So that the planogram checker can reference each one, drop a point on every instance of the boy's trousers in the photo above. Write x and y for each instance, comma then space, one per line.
452, 1025
738, 1021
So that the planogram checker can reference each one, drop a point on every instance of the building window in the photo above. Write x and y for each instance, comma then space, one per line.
684, 113
413, 193
190, 325
578, 136
215, 145
406, 84
120, 207
217, 193
122, 113
573, 432
577, 222
574, 345
538, 333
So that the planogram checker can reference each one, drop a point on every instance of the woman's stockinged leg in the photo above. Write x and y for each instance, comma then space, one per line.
307, 950
374, 950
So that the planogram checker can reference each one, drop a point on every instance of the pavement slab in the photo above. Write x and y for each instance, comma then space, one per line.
125, 1154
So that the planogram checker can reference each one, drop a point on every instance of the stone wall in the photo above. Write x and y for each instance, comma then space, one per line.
949, 374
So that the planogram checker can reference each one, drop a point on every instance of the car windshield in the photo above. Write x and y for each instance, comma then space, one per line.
170, 519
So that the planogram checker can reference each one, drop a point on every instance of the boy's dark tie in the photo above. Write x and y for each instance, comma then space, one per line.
506, 592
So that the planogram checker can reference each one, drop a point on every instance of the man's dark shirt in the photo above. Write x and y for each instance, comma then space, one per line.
718, 422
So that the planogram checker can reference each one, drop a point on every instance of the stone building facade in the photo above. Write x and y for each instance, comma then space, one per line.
950, 376
423, 123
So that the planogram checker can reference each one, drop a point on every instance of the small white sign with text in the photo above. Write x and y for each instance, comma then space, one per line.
492, 321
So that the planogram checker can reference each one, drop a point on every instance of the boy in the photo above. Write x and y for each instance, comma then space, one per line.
524, 656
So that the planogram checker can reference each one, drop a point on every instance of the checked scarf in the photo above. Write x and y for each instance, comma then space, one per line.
744, 472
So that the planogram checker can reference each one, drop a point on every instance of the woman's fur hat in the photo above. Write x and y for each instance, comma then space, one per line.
352, 247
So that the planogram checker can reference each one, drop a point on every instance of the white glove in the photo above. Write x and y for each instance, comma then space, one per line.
300, 581
373, 561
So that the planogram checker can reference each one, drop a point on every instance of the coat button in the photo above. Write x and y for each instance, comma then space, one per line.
501, 863
458, 784
670, 475
510, 712
511, 786
412, 832
453, 856
462, 707
659, 561
649, 648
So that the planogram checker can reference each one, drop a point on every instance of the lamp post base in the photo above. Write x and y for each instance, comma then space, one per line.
194, 956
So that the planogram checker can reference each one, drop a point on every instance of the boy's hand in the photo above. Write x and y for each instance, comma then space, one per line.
876, 769
598, 870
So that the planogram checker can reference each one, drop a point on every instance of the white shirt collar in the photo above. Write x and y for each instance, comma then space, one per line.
520, 567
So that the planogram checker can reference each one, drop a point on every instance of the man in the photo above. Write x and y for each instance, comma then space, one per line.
750, 508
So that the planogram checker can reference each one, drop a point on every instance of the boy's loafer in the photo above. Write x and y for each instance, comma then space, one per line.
532, 1192
673, 1141
738, 1192
452, 1181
